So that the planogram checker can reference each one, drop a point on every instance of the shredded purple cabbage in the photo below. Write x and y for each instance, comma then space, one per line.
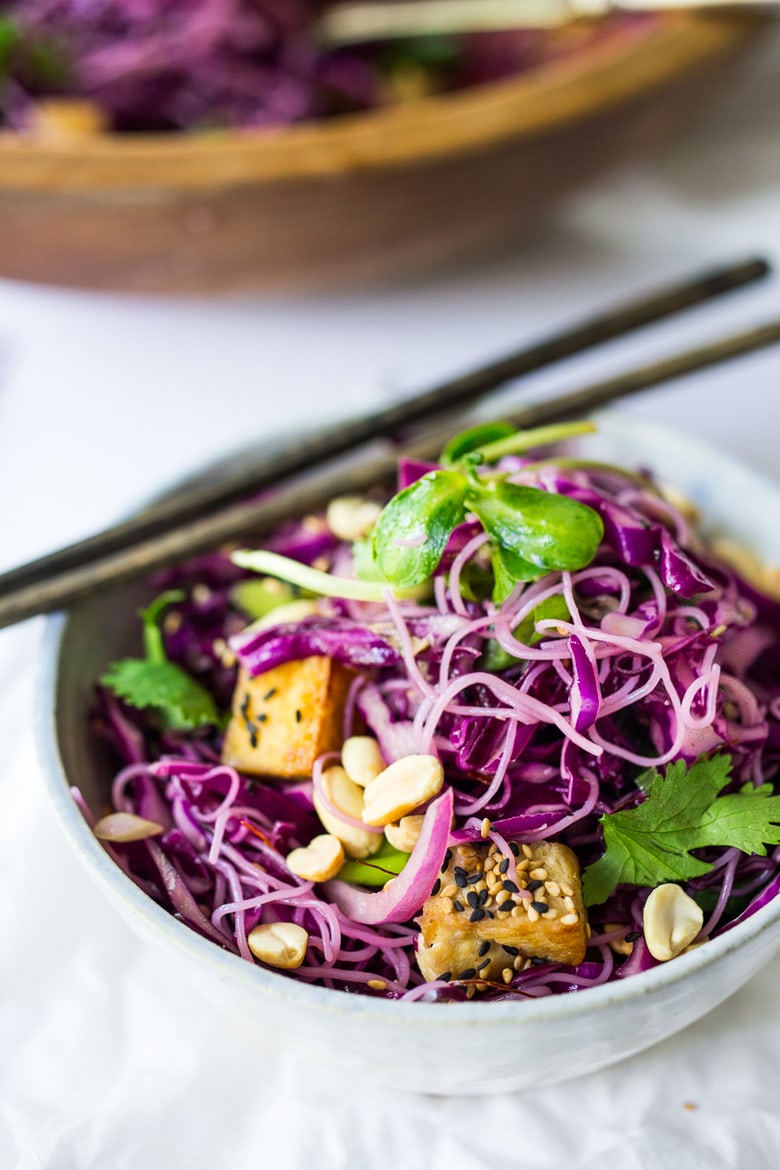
666, 653
206, 64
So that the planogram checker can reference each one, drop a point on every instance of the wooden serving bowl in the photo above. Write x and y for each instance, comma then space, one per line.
360, 197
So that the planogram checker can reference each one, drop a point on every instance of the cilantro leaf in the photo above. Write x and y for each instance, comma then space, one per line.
683, 810
182, 702
155, 681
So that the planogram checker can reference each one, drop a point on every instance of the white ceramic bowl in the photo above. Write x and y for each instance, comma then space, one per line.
439, 1048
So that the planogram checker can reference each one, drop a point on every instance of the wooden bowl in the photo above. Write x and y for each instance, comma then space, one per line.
365, 196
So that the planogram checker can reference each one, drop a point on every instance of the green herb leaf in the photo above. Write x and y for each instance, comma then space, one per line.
155, 681
413, 529
474, 438
9, 39
181, 701
652, 843
376, 870
545, 530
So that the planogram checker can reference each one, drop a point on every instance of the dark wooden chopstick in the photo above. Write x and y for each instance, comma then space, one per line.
284, 462
261, 516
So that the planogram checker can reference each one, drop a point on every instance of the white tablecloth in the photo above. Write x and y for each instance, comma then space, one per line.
104, 1065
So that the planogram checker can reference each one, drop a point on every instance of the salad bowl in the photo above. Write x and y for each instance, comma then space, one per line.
458, 1047
362, 196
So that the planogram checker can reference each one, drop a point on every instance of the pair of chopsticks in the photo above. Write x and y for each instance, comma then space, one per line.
208, 514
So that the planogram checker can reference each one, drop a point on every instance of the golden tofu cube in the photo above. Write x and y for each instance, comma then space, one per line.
284, 719
482, 921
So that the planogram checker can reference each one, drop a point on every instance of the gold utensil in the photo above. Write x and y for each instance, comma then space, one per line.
353, 21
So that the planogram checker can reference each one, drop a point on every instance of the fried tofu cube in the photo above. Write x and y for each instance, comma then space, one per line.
283, 719
481, 921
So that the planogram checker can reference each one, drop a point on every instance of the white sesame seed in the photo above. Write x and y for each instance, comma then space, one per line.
533, 915
566, 889
528, 852
485, 828
538, 875
507, 974
569, 920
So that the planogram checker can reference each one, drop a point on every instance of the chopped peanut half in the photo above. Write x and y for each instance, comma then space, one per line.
402, 787
319, 861
346, 797
480, 921
285, 718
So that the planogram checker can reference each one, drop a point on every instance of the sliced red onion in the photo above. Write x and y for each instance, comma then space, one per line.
403, 896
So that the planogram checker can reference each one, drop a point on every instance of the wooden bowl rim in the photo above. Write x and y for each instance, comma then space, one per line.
435, 128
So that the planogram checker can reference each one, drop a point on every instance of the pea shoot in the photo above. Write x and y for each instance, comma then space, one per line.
531, 532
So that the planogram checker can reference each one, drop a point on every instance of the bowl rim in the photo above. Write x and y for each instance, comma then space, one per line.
256, 980
434, 128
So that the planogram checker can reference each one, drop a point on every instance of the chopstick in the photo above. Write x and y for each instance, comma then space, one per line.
285, 462
261, 516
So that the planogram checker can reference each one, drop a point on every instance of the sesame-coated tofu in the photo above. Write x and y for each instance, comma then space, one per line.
483, 922
283, 719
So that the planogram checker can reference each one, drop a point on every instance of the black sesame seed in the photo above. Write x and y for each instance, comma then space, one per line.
245, 707
460, 880
469, 973
436, 887
447, 860
473, 878
459, 869
515, 848
481, 966
540, 907
505, 907
456, 905
269, 694
510, 950
483, 950
444, 977
535, 885
538, 961
262, 718
509, 886
477, 915
489, 914
253, 738
298, 715
472, 899
633, 935
504, 866
483, 897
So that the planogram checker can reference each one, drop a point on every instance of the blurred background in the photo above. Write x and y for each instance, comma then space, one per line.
184, 272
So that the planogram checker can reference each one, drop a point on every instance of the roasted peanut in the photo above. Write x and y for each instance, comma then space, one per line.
401, 788
279, 944
319, 861
347, 796
671, 921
